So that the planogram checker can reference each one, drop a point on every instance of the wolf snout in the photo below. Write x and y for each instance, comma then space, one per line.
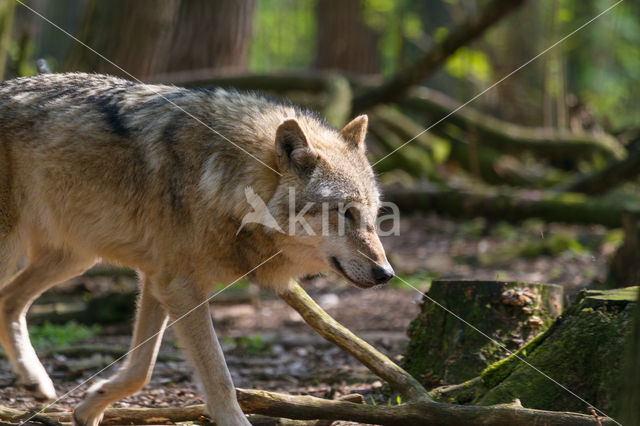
382, 274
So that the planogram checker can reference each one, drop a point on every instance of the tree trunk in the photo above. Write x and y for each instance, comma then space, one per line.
162, 36
624, 269
136, 44
212, 35
344, 41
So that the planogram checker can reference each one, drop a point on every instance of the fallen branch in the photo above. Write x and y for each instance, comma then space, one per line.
460, 36
311, 408
342, 337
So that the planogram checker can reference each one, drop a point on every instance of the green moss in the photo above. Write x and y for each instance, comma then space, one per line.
618, 294
498, 371
582, 351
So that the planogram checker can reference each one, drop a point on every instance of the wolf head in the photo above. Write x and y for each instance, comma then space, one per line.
333, 199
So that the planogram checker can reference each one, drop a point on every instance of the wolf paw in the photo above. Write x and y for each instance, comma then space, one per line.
77, 420
42, 391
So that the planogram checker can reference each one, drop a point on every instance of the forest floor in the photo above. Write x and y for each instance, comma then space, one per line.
268, 346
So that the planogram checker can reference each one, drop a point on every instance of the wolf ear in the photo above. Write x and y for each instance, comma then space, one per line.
355, 131
293, 150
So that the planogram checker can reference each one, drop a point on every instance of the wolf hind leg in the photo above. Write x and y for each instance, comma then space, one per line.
46, 268
151, 319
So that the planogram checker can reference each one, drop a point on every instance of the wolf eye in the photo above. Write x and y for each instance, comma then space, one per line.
348, 214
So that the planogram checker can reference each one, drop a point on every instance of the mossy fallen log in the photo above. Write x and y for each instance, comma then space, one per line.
444, 350
510, 138
511, 205
583, 351
412, 159
495, 167
608, 178
404, 139
109, 308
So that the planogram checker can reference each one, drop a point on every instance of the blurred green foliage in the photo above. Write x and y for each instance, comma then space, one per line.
284, 34
50, 335
600, 64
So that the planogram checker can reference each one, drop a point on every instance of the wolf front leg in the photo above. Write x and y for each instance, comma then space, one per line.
191, 319
339, 335
151, 319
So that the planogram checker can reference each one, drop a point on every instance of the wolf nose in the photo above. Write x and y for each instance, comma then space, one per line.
382, 274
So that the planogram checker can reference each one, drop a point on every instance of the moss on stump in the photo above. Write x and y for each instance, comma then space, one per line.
443, 350
583, 350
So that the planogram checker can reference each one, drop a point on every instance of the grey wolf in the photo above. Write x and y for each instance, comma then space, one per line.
95, 167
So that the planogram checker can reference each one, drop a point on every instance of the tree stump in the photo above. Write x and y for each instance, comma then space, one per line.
583, 350
443, 350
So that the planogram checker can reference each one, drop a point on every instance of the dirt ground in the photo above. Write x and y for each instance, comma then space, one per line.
268, 346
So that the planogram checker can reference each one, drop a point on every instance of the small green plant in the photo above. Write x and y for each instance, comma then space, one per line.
50, 335
474, 227
505, 232
253, 345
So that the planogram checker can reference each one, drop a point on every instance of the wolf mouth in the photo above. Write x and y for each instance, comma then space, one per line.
338, 267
